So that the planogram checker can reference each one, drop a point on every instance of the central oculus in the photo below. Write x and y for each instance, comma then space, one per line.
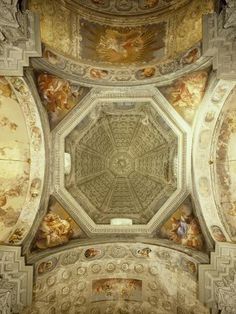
120, 163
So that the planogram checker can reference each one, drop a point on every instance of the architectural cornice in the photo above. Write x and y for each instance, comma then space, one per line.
19, 38
219, 40
16, 280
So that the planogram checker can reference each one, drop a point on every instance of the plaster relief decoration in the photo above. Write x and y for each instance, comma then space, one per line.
218, 234
114, 289
226, 165
123, 162
19, 38
59, 96
16, 281
217, 281
122, 45
96, 49
117, 281
56, 228
186, 93
14, 159
184, 228
219, 40
130, 8
5, 301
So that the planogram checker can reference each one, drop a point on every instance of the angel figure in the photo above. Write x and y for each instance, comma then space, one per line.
53, 231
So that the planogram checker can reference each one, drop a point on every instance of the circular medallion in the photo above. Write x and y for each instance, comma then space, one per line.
121, 164
81, 285
66, 306
110, 267
81, 270
125, 266
51, 280
139, 268
153, 270
118, 251
96, 268
65, 290
66, 275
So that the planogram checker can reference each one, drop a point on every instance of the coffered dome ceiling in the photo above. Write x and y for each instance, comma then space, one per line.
124, 163
121, 154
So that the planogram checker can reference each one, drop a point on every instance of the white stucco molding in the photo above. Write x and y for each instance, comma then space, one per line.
219, 40
203, 152
217, 281
19, 38
16, 280
37, 161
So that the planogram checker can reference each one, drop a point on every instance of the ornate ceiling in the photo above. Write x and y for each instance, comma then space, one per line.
126, 160
157, 38
117, 156
117, 278
125, 163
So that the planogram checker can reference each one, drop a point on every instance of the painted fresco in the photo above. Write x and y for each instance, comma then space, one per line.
145, 252
92, 253
217, 233
98, 74
64, 31
14, 159
226, 165
145, 73
46, 267
56, 228
185, 94
58, 96
183, 227
122, 45
111, 289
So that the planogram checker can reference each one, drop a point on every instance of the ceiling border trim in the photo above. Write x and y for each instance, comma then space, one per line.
203, 152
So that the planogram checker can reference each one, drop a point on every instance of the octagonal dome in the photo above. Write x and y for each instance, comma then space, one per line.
124, 163
121, 155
